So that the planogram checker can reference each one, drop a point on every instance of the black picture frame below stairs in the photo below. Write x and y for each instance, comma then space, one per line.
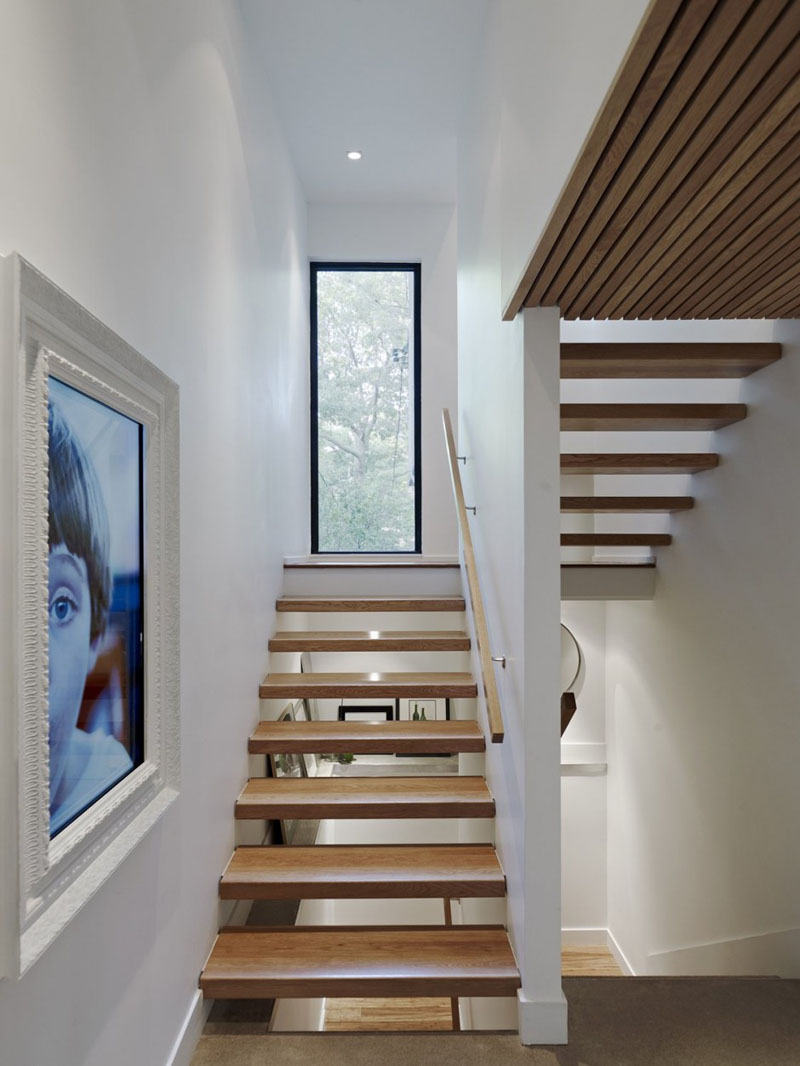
377, 712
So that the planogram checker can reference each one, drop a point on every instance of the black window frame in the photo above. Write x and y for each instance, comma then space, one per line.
416, 270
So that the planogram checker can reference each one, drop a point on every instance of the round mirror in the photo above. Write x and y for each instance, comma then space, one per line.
570, 659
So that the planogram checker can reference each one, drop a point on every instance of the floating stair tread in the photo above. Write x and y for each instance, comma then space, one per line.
335, 686
621, 565
386, 640
365, 961
638, 463
674, 360
650, 416
365, 797
374, 871
366, 738
625, 504
370, 603
615, 540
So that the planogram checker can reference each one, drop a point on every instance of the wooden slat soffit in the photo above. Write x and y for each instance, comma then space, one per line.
684, 201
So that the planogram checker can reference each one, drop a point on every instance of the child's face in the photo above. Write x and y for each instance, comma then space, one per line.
71, 656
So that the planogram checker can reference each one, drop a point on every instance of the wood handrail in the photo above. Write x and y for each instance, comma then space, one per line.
473, 585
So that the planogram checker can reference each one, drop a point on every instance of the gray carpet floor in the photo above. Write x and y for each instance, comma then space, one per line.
678, 1021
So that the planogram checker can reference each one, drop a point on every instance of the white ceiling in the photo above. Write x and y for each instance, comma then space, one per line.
388, 77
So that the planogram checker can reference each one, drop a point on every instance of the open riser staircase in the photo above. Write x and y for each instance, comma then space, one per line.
395, 632
407, 644
621, 368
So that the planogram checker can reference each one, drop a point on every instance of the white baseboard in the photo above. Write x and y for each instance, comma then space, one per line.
619, 955
771, 954
184, 1047
542, 1021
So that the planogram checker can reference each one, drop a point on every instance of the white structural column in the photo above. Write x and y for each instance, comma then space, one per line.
542, 1006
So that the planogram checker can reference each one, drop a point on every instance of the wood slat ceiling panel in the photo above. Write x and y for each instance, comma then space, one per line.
685, 199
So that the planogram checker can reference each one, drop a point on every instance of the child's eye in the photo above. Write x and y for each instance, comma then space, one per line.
62, 608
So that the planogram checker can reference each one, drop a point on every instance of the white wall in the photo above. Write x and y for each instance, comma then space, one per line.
412, 234
584, 914
125, 179
703, 690
557, 61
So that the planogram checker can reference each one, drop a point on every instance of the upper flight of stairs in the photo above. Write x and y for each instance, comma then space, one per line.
647, 361
335, 961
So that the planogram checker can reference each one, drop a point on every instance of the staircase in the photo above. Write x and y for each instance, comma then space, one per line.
441, 960
637, 362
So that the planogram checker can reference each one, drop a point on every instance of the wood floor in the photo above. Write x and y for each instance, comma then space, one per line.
589, 962
432, 1015
380, 1015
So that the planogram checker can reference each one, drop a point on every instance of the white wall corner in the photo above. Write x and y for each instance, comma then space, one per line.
186, 1041
542, 1021
619, 955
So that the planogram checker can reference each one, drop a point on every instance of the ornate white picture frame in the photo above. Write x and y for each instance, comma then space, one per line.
44, 882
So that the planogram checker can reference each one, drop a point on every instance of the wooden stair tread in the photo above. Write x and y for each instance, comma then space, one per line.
650, 416
335, 685
363, 961
671, 360
621, 565
372, 871
365, 797
625, 504
366, 738
638, 463
615, 540
370, 640
370, 603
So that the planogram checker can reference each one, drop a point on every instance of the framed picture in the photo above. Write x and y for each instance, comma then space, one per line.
88, 605
95, 604
290, 765
367, 713
310, 759
424, 710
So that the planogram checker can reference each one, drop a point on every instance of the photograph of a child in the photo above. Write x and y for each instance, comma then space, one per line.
95, 600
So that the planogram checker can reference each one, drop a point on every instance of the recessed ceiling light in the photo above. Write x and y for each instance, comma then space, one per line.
354, 155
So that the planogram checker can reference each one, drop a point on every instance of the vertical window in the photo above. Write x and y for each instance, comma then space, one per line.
365, 404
